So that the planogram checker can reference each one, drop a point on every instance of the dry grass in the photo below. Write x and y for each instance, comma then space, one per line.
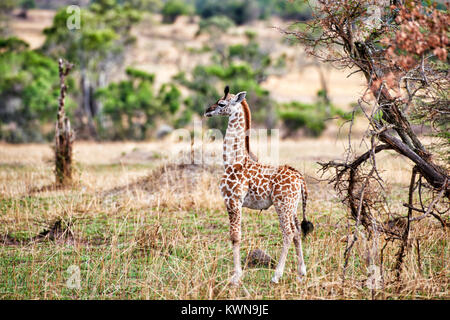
145, 229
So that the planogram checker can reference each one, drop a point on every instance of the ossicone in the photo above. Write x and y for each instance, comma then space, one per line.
226, 91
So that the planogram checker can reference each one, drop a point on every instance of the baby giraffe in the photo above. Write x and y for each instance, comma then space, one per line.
247, 183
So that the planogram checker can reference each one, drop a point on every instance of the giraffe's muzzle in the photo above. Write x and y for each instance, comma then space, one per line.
210, 111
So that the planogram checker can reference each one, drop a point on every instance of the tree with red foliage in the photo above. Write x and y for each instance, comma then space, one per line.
401, 48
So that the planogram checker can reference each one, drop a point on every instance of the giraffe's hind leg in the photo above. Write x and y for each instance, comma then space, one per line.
301, 263
284, 211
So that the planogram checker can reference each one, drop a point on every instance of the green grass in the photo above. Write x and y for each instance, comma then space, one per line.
165, 244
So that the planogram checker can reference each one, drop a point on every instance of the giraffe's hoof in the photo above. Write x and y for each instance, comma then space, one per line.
235, 279
234, 282
276, 277
302, 270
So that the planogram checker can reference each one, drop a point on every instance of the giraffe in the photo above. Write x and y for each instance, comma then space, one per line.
248, 183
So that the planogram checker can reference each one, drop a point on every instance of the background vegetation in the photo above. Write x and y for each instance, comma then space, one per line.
110, 100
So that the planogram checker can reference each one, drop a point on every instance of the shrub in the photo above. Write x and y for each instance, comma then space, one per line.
215, 24
244, 11
312, 117
130, 107
297, 115
240, 11
174, 8
28, 92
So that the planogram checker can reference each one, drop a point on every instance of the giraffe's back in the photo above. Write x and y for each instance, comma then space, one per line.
268, 183
288, 184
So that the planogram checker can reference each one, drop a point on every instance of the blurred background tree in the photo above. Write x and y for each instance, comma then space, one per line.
6, 8
28, 92
146, 5
244, 11
175, 8
97, 49
312, 117
215, 25
132, 106
26, 5
243, 67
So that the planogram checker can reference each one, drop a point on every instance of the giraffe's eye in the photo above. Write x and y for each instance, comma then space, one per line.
221, 104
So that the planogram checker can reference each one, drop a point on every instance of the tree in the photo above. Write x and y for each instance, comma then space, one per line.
97, 49
6, 8
28, 92
312, 117
215, 25
132, 106
26, 5
175, 8
242, 67
401, 48
240, 11
147, 5
245, 11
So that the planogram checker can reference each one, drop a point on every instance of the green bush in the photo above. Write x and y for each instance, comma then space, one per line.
295, 10
12, 44
174, 8
147, 5
130, 107
29, 91
239, 76
27, 4
244, 11
297, 115
312, 117
215, 24
139, 74
240, 11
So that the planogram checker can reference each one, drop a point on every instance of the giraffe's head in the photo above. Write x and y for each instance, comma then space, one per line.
227, 105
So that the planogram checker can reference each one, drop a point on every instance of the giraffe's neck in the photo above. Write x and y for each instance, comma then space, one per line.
234, 145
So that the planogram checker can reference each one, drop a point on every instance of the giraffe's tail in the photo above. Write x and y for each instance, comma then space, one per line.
306, 226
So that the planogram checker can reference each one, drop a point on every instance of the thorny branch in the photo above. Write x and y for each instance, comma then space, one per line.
403, 57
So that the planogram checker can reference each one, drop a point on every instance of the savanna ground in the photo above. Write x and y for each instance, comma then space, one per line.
140, 228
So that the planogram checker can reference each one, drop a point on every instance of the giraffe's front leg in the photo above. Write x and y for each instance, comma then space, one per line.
234, 213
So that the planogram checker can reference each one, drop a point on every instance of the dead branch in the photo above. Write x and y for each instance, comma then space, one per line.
405, 82
64, 136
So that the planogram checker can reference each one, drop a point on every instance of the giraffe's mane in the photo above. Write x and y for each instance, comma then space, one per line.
248, 123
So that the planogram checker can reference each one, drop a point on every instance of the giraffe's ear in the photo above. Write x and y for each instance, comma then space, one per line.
240, 97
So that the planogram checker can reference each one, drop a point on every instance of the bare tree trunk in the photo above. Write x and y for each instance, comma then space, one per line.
64, 136
88, 129
323, 83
